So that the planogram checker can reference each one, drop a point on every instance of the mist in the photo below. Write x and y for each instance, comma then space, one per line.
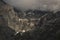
51, 5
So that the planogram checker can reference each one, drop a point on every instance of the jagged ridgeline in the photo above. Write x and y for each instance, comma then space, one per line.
32, 24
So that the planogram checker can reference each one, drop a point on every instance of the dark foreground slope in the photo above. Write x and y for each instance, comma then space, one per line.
5, 31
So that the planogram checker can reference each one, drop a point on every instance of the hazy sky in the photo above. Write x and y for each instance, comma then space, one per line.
35, 4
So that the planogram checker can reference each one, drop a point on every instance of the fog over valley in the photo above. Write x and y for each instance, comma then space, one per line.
52, 5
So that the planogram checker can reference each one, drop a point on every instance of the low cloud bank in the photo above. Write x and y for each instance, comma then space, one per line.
52, 5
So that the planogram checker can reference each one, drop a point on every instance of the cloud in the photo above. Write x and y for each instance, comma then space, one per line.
52, 5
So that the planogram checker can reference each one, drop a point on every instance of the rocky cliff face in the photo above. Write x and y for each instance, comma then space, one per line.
12, 21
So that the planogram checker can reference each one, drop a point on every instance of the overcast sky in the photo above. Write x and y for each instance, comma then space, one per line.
35, 4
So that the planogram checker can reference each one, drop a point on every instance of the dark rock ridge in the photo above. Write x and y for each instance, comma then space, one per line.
48, 28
